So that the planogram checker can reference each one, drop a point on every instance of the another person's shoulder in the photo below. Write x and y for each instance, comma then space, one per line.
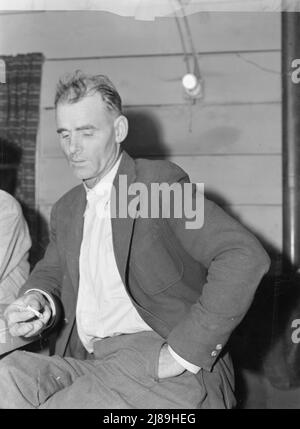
158, 170
9, 205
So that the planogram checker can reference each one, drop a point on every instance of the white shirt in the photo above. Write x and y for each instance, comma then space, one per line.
103, 308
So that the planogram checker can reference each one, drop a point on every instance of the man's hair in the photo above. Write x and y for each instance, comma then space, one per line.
73, 87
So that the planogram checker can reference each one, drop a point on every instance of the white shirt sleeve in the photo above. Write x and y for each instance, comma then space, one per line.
187, 365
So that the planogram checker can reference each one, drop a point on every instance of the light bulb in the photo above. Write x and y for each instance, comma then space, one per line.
189, 81
193, 86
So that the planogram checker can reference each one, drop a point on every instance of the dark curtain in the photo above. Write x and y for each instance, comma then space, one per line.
19, 119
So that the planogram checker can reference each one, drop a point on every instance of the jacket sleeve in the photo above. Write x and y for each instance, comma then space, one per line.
47, 274
235, 263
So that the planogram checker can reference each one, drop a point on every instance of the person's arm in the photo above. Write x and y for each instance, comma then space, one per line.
15, 239
47, 274
236, 262
183, 363
41, 291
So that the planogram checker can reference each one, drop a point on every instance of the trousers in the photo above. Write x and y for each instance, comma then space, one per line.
122, 373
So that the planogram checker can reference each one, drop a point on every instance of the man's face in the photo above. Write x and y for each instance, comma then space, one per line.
87, 136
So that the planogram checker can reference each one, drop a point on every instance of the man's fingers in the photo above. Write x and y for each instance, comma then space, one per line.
18, 316
35, 304
26, 329
46, 315
25, 322
37, 326
20, 329
19, 325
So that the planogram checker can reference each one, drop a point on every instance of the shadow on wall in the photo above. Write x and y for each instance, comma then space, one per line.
145, 136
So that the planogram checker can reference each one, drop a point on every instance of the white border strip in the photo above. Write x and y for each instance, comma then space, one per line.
150, 9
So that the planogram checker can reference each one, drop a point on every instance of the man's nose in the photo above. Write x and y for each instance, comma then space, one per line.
75, 145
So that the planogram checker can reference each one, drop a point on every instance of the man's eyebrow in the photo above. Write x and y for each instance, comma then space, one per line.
60, 130
82, 128
86, 127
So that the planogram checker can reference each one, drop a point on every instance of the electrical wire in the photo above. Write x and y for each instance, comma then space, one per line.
185, 53
190, 39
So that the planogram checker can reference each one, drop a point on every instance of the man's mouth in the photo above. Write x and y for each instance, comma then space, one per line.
77, 161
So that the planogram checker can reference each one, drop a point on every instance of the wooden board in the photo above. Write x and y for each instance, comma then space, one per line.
264, 221
90, 33
236, 179
229, 179
184, 130
228, 78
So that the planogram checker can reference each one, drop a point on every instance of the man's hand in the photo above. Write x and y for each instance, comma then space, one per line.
167, 365
21, 321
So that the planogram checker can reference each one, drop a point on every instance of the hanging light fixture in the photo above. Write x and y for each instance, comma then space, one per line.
192, 85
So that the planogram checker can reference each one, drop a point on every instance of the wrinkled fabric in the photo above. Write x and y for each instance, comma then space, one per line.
15, 243
123, 373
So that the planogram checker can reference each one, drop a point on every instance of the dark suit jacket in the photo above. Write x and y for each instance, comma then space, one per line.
193, 287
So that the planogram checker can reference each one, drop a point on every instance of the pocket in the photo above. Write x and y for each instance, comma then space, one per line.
156, 366
157, 266
129, 364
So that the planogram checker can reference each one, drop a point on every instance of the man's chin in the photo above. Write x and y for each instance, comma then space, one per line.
80, 173
83, 174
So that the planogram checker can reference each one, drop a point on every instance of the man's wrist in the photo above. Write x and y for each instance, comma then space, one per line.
185, 364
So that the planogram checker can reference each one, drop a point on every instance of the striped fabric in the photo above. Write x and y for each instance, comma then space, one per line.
19, 118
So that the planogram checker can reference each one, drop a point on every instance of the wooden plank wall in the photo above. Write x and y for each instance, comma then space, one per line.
231, 140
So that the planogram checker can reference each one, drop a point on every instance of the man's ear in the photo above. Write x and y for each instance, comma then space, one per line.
121, 128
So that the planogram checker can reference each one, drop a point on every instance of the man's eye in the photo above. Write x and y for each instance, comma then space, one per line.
64, 135
88, 133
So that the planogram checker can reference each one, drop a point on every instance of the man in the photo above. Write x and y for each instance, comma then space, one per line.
141, 307
15, 239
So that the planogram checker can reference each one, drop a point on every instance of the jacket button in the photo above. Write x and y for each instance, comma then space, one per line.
66, 320
219, 346
214, 353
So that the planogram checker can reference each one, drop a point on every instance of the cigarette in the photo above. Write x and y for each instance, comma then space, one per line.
35, 312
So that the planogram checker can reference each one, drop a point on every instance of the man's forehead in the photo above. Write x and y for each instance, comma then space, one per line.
91, 106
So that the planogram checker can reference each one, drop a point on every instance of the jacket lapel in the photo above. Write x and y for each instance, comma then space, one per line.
74, 236
122, 226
